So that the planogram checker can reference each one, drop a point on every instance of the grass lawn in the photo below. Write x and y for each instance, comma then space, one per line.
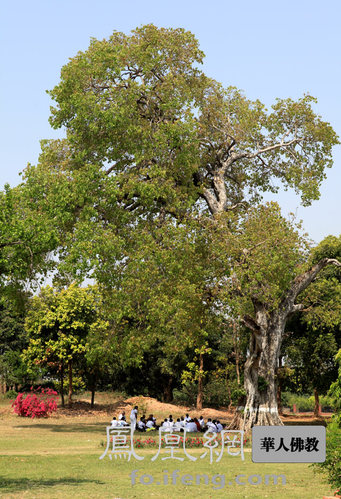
55, 459
59, 458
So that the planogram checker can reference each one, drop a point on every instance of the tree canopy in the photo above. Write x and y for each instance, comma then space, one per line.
59, 326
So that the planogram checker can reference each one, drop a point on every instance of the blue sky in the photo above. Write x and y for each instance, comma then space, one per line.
269, 49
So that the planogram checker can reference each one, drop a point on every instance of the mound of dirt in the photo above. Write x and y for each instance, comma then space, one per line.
150, 405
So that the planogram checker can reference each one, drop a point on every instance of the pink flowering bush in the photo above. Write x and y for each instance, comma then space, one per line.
40, 403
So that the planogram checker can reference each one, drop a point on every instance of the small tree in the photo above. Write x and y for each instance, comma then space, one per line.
310, 353
58, 325
195, 372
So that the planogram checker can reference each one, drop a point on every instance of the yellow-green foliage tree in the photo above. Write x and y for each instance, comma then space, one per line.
59, 325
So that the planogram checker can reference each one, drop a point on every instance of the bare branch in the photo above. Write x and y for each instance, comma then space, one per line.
234, 206
302, 281
110, 169
248, 155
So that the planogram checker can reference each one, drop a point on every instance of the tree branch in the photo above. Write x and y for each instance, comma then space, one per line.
110, 169
12, 243
237, 156
250, 323
302, 281
297, 308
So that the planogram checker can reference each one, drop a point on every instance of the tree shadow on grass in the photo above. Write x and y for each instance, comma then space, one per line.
83, 407
69, 428
17, 484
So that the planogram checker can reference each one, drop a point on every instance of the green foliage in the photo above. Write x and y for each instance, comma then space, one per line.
11, 394
26, 238
61, 326
335, 388
147, 134
186, 395
311, 355
323, 300
13, 370
193, 371
314, 337
78, 385
141, 104
331, 467
306, 403
162, 304
220, 392
266, 251
153, 148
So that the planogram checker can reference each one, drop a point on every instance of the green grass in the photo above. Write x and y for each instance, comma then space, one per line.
59, 458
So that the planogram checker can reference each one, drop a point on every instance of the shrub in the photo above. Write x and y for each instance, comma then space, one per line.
332, 465
306, 403
219, 392
11, 394
38, 403
187, 395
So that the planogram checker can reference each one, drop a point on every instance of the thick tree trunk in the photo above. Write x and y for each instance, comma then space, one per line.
260, 367
70, 392
200, 383
261, 390
317, 403
62, 383
259, 375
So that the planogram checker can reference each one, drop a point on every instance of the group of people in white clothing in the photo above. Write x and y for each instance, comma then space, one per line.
121, 421
184, 423
192, 424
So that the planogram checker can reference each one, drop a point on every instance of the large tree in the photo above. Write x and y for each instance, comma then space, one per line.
271, 272
151, 139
